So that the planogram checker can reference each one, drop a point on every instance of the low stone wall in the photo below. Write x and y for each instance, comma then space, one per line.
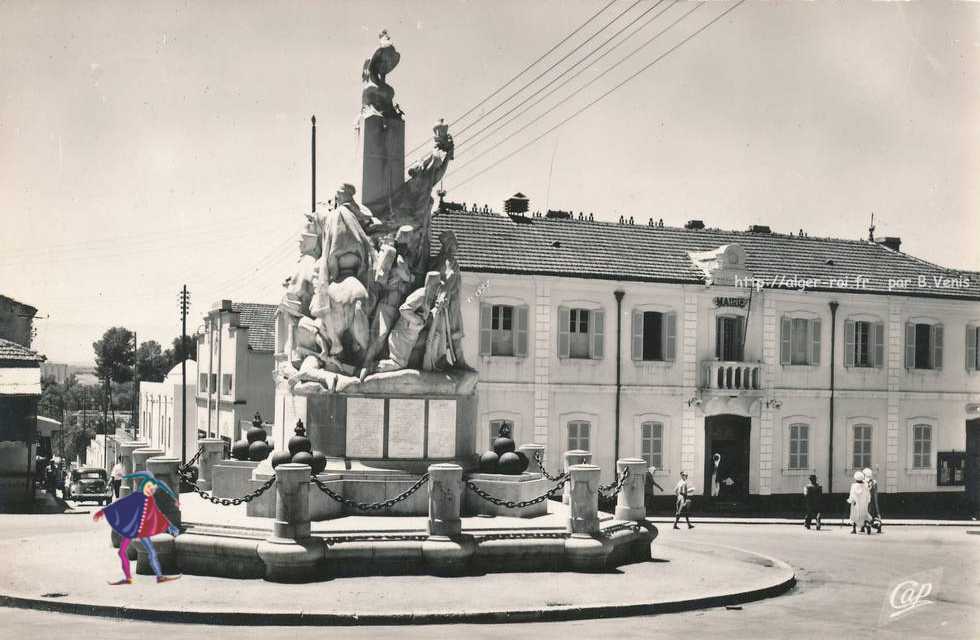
509, 488
230, 478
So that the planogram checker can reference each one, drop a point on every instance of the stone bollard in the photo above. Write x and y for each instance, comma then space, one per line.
584, 551
140, 456
630, 503
126, 453
445, 499
573, 457
165, 470
214, 451
291, 555
531, 451
446, 551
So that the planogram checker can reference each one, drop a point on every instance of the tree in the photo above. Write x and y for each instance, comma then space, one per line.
113, 361
152, 364
180, 352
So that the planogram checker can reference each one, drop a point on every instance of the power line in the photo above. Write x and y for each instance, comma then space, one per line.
610, 91
470, 141
521, 72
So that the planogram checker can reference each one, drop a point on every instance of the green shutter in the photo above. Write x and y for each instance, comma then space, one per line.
937, 346
670, 344
814, 341
637, 324
971, 347
486, 335
849, 342
878, 329
785, 346
520, 330
909, 345
563, 337
597, 327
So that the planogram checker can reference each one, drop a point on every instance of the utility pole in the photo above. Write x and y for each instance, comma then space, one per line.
185, 303
133, 422
313, 165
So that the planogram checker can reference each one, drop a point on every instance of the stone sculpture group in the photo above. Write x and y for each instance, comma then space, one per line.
362, 299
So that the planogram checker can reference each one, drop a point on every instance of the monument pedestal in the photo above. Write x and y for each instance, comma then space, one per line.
382, 159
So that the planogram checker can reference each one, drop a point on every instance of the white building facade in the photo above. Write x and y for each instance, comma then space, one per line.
162, 411
678, 344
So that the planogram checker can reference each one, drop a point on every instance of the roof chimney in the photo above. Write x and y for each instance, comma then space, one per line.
694, 224
517, 203
759, 228
891, 242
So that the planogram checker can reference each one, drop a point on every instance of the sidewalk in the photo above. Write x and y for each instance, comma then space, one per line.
827, 522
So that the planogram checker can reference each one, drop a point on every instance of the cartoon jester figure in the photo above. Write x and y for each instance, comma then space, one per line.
138, 516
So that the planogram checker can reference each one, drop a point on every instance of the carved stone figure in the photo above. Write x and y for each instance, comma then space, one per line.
444, 346
376, 94
392, 282
413, 315
295, 303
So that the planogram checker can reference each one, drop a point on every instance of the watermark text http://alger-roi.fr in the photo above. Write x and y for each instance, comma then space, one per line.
856, 282
910, 594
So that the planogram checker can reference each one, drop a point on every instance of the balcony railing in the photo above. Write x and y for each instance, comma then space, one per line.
732, 376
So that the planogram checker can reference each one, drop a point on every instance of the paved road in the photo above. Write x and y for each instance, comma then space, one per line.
844, 581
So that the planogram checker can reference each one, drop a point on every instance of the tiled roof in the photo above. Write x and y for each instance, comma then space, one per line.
12, 351
18, 303
260, 320
497, 243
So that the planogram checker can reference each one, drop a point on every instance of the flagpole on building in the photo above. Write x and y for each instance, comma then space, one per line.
313, 165
184, 304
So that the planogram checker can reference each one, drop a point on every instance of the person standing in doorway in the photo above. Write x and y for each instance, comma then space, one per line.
682, 491
117, 473
812, 493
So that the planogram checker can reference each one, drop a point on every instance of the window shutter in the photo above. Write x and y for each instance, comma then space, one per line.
637, 323
848, 343
598, 333
909, 345
878, 331
814, 342
971, 347
563, 337
719, 336
937, 346
786, 333
740, 338
670, 344
486, 335
520, 330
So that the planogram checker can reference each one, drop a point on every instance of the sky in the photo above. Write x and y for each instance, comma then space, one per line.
148, 145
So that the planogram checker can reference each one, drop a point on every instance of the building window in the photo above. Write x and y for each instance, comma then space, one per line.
921, 446
503, 330
864, 344
214, 383
799, 446
862, 446
972, 353
578, 435
581, 333
654, 336
203, 382
495, 426
729, 338
923, 346
226, 384
800, 341
652, 443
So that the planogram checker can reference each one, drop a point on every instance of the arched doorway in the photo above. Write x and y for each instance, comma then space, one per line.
726, 457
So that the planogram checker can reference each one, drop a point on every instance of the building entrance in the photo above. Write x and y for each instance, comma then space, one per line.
972, 475
726, 456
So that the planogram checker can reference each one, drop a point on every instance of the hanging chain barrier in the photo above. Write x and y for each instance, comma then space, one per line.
369, 506
539, 459
615, 487
184, 468
630, 526
224, 502
510, 504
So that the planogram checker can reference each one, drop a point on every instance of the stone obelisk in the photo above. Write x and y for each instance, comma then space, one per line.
382, 130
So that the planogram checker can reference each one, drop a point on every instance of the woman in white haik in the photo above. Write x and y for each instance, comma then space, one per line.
859, 499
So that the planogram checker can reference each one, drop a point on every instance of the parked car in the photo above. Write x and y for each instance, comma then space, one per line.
90, 484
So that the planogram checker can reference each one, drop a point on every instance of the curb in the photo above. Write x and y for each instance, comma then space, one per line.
826, 523
301, 618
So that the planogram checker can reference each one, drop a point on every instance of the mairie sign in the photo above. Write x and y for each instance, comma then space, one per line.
731, 302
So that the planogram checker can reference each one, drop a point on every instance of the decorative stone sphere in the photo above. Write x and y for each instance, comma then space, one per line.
239, 450
503, 445
299, 442
303, 457
281, 457
255, 434
510, 463
525, 462
319, 461
488, 462
258, 451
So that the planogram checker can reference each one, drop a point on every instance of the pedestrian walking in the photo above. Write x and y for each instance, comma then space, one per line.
812, 494
138, 516
117, 473
682, 491
648, 484
858, 498
873, 510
